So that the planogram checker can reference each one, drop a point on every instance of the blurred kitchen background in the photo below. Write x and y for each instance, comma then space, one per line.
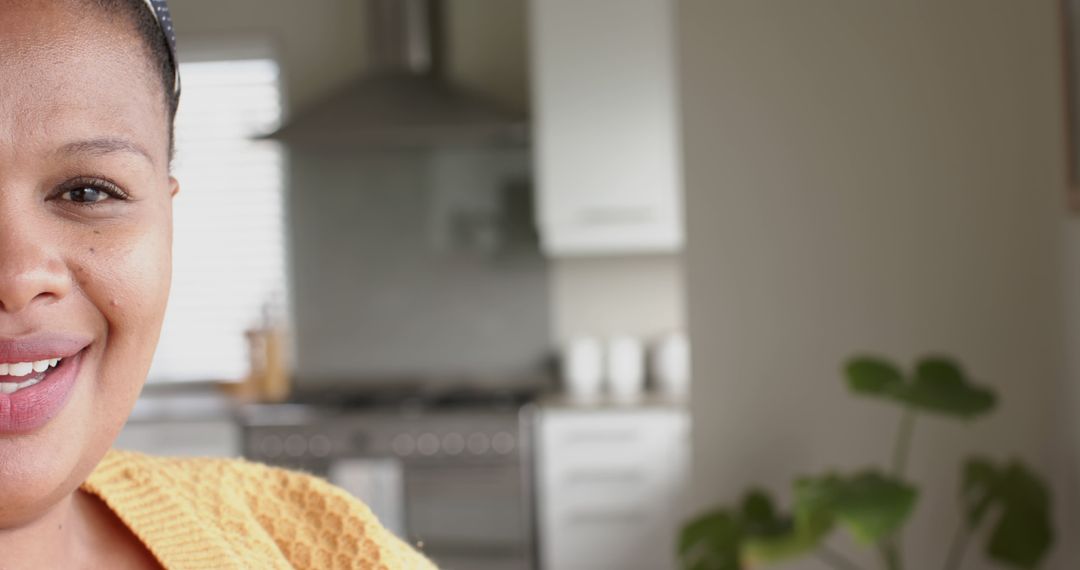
453, 254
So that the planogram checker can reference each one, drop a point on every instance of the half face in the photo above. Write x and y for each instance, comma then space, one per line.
85, 239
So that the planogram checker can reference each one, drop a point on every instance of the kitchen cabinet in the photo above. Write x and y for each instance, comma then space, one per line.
606, 126
609, 484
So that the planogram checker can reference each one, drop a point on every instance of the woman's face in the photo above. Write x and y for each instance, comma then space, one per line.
85, 240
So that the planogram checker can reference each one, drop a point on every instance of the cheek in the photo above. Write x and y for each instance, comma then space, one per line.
125, 276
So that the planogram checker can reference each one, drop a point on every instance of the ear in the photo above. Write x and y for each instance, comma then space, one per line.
174, 187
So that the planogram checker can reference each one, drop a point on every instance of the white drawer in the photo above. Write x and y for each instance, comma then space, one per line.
628, 485
608, 483
599, 538
600, 438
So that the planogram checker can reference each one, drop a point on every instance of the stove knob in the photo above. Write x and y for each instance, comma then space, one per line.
320, 445
270, 446
296, 445
403, 444
453, 443
479, 443
428, 444
502, 443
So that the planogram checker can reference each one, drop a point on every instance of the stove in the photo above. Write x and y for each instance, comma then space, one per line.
419, 395
447, 470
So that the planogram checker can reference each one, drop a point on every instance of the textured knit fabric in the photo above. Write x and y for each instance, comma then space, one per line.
224, 514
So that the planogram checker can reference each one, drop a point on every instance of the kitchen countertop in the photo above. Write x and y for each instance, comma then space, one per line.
606, 403
204, 402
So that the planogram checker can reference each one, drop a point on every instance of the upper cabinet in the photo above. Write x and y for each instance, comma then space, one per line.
606, 126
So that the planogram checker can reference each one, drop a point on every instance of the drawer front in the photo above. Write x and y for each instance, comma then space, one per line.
608, 483
630, 485
582, 438
599, 538
627, 455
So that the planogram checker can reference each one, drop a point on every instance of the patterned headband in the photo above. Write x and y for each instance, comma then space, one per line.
161, 13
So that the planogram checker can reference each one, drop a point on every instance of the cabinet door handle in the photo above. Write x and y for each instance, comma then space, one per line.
616, 216
606, 516
605, 477
587, 437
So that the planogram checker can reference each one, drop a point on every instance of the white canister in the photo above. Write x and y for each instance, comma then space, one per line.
625, 368
671, 366
583, 368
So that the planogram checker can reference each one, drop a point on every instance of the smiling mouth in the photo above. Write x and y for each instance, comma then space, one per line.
16, 376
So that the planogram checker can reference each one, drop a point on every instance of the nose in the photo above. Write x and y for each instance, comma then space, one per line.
29, 273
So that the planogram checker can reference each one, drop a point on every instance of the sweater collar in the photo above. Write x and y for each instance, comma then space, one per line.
140, 496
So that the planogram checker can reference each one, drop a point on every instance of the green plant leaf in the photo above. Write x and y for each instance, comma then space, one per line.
756, 533
770, 536
795, 539
939, 385
711, 542
979, 488
870, 505
759, 515
873, 377
1022, 533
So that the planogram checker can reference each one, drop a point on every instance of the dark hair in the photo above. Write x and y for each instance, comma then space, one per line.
146, 27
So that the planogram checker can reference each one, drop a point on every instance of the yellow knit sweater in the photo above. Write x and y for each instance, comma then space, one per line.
223, 514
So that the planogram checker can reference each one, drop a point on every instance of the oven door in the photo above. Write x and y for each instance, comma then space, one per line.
379, 483
469, 515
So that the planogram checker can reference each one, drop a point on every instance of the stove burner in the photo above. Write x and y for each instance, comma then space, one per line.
412, 396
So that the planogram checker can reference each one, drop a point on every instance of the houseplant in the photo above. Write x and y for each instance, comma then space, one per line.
1005, 505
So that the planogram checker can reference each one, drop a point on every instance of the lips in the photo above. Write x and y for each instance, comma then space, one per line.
32, 407
33, 348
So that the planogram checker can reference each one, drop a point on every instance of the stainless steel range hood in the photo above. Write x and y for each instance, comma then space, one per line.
404, 100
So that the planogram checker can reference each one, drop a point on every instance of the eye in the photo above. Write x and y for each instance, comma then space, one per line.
86, 194
90, 191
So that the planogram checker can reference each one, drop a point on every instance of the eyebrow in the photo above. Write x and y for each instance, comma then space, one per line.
105, 146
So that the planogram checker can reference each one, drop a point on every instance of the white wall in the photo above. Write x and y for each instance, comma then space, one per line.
1069, 404
488, 49
640, 295
881, 176
320, 43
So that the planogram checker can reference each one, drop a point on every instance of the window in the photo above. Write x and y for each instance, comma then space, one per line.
229, 244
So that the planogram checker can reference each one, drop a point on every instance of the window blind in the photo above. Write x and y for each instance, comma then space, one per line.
229, 233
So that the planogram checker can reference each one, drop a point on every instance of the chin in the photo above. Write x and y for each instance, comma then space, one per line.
41, 467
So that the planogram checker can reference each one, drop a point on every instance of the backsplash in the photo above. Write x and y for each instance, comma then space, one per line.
639, 295
411, 265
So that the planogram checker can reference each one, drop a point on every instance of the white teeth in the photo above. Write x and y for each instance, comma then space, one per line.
12, 387
20, 368
25, 368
